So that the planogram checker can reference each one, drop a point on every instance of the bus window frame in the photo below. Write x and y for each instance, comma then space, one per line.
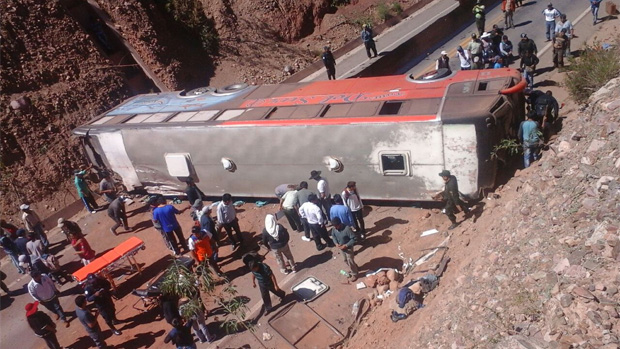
406, 171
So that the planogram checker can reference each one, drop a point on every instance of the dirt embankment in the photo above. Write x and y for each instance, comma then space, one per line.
54, 75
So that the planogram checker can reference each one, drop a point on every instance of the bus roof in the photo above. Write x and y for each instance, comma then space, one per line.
374, 99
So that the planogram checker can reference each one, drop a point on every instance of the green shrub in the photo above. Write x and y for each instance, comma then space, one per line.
397, 8
593, 69
383, 12
190, 14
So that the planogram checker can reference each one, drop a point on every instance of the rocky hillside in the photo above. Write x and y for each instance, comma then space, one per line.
51, 82
538, 267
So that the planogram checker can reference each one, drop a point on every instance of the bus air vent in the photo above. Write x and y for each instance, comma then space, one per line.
390, 108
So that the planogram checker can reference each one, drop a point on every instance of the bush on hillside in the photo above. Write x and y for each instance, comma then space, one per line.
596, 65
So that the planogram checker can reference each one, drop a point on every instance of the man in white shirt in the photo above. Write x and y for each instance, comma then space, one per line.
227, 219
43, 290
570, 31
464, 58
288, 202
352, 199
550, 14
316, 220
322, 186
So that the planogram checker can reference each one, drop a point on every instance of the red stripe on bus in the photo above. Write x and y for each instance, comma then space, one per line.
330, 121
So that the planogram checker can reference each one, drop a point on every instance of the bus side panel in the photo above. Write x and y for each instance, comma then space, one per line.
268, 156
461, 156
114, 150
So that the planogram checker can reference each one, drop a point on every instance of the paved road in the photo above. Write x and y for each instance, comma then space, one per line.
527, 19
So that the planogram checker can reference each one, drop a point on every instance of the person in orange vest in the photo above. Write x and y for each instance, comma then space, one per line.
201, 247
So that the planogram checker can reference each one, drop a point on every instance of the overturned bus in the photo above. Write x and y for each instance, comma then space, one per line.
391, 134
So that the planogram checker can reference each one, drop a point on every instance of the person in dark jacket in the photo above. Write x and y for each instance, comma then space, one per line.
117, 212
275, 238
443, 61
451, 195
345, 240
193, 192
266, 283
526, 44
180, 335
98, 291
528, 67
10, 248
169, 308
42, 325
21, 243
330, 63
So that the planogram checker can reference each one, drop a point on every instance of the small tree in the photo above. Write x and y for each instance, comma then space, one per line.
179, 281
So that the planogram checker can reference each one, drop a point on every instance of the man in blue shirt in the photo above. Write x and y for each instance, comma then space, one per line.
165, 215
529, 135
340, 210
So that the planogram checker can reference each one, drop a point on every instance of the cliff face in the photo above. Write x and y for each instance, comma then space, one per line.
52, 80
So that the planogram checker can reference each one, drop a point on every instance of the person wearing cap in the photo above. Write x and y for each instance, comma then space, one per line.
479, 16
82, 248
451, 195
116, 211
202, 247
99, 291
443, 62
508, 7
368, 40
475, 48
227, 219
550, 14
43, 290
526, 44
330, 63
33, 224
275, 237
345, 241
325, 196
106, 187
10, 248
69, 227
84, 191
464, 58
594, 5
311, 212
197, 320
288, 202
569, 31
42, 325
89, 321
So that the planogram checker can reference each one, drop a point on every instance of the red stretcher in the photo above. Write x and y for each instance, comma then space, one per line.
120, 256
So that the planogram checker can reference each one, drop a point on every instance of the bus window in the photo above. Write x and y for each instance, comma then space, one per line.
336, 110
390, 108
395, 164
229, 114
364, 109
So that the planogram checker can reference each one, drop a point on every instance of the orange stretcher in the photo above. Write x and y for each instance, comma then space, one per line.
116, 258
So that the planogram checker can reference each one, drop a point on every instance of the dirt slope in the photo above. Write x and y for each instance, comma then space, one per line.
52, 65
